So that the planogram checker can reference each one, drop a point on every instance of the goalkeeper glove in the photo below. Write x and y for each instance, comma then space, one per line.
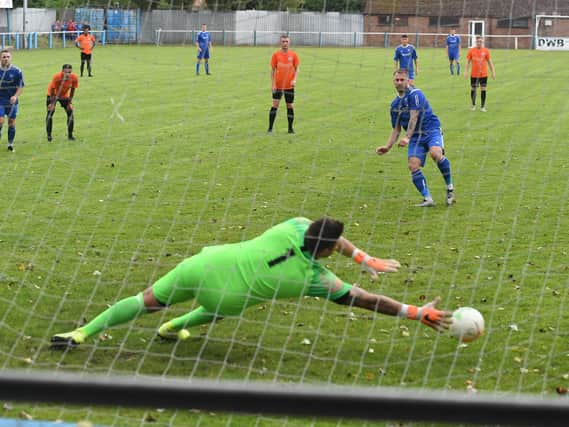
439, 320
375, 265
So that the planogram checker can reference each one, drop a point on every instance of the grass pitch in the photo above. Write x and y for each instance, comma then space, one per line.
166, 162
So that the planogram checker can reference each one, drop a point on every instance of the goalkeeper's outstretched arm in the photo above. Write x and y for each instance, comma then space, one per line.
428, 314
369, 263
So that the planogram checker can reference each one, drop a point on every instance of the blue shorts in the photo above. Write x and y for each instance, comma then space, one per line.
203, 54
419, 146
10, 110
453, 56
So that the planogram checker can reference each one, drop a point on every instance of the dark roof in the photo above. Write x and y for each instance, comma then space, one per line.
480, 8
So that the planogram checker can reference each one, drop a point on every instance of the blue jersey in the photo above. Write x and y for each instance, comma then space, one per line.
453, 43
405, 56
414, 99
204, 39
10, 80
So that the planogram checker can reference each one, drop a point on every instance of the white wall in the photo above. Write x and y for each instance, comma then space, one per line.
270, 25
36, 19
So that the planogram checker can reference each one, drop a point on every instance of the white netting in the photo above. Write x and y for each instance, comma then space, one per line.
166, 162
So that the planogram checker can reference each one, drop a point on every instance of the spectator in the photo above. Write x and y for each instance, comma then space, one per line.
71, 28
56, 27
64, 29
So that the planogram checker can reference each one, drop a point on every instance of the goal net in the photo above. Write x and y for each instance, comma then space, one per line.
552, 32
168, 160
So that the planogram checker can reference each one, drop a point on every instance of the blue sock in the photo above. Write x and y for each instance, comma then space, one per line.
420, 182
458, 68
452, 68
197, 68
207, 68
444, 167
11, 134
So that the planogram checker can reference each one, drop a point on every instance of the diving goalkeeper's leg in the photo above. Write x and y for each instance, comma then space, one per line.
169, 289
176, 328
121, 312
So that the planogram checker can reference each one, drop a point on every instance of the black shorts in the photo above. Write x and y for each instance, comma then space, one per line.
478, 81
63, 102
288, 94
85, 56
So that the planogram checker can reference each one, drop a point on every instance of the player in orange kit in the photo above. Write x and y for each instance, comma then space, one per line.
477, 58
284, 71
61, 89
86, 42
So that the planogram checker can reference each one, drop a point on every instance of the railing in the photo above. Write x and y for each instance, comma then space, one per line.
57, 39
339, 38
49, 39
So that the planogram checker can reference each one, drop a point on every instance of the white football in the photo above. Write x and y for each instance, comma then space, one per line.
467, 324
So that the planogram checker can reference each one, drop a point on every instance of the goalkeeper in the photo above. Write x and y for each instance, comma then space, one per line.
280, 263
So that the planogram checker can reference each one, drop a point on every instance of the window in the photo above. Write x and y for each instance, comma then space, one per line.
513, 23
444, 21
389, 20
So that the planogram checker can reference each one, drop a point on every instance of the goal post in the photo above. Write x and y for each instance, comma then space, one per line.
551, 32
300, 400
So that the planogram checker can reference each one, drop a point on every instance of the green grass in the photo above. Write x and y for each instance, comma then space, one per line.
191, 165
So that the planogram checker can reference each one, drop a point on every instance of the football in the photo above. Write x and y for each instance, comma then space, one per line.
467, 324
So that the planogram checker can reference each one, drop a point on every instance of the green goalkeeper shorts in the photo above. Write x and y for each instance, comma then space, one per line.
219, 290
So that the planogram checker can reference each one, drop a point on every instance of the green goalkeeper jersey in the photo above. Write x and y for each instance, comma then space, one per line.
226, 279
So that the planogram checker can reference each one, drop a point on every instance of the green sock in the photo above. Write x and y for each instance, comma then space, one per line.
195, 317
121, 312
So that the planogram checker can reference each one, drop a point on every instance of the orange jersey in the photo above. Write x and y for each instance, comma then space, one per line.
85, 42
478, 58
284, 66
61, 86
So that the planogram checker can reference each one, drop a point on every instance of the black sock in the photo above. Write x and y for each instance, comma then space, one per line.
70, 123
483, 97
272, 116
82, 66
49, 122
89, 67
290, 117
473, 96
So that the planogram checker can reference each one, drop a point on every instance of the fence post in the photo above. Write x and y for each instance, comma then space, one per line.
64, 38
386, 39
416, 39
104, 38
157, 36
320, 39
138, 26
355, 39
17, 41
516, 43
35, 40
50, 40
223, 37
254, 37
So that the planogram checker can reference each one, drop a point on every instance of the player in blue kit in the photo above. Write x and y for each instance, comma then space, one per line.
405, 57
411, 111
453, 51
203, 43
11, 86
